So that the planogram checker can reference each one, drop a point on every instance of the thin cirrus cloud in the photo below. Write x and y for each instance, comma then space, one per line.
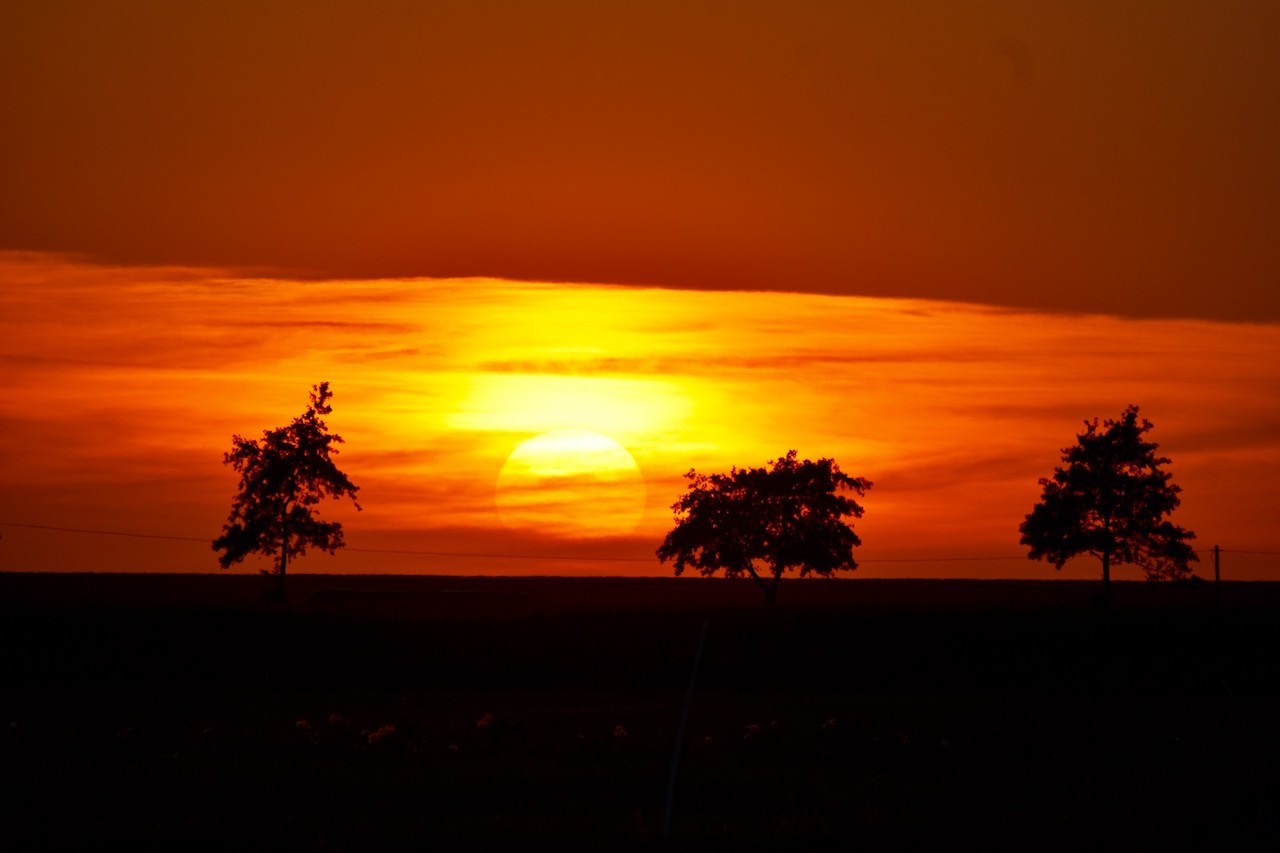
122, 387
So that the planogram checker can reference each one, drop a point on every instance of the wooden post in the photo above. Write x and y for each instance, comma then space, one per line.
1217, 576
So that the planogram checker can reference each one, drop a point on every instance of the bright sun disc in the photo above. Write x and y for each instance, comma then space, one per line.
571, 483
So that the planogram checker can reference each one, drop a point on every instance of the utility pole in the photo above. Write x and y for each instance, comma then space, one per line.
1217, 576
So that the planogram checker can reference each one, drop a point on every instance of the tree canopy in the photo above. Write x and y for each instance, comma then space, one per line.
1111, 500
763, 522
283, 476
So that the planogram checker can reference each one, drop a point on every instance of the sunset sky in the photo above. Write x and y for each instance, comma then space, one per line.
551, 250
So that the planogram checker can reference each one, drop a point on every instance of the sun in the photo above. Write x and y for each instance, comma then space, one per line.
571, 483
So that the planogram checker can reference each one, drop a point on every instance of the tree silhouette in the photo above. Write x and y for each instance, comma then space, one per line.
763, 522
1110, 501
282, 477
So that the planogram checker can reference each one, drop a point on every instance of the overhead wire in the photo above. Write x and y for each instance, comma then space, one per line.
598, 558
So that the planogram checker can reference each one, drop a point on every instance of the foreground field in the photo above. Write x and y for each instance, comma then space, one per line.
499, 712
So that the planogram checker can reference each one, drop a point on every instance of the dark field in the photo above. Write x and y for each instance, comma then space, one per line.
437, 712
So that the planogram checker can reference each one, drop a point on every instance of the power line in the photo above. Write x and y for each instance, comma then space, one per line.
419, 553
473, 554
574, 557
935, 559
104, 532
502, 556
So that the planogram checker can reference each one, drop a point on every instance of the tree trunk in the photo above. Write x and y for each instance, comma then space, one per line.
284, 550
770, 590
1106, 578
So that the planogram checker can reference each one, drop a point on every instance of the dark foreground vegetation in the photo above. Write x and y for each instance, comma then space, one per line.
430, 713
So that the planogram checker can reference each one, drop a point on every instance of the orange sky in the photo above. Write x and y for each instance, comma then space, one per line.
925, 238
122, 387
1084, 156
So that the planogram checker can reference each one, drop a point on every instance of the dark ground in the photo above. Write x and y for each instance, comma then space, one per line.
434, 712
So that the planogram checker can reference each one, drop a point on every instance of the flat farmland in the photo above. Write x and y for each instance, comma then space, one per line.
379, 711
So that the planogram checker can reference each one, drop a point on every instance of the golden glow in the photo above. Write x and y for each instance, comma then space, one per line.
539, 401
571, 482
121, 389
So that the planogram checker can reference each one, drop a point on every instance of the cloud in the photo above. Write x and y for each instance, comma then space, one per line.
120, 394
